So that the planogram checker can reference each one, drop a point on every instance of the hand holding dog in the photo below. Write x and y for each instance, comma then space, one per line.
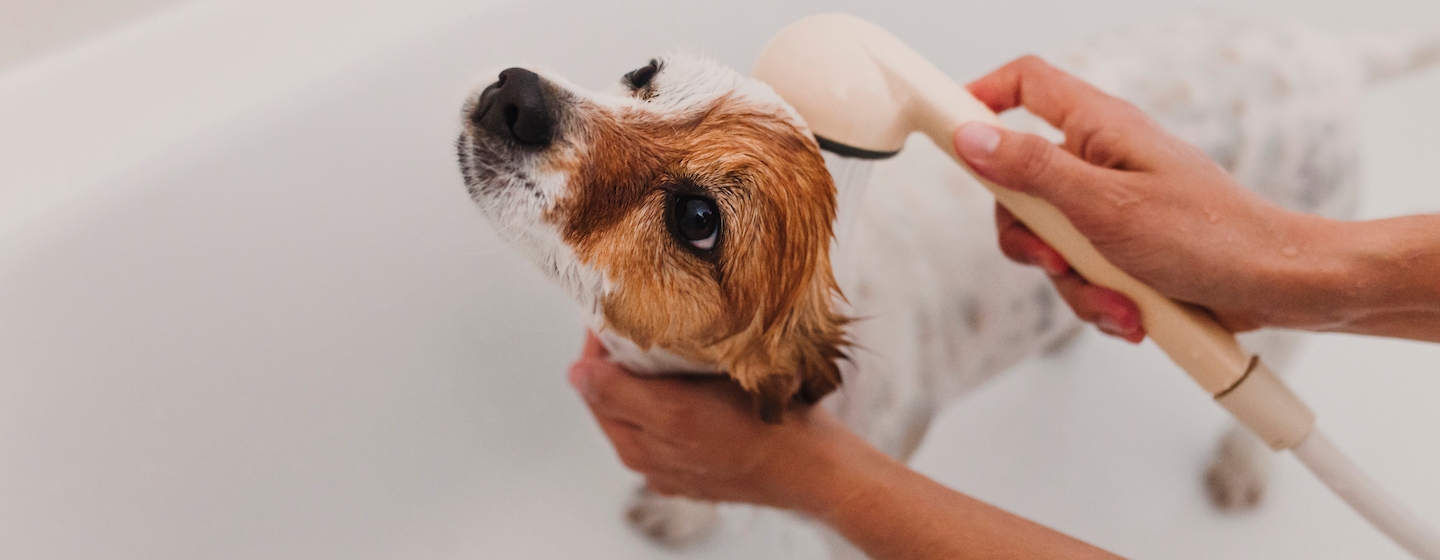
700, 438
1162, 211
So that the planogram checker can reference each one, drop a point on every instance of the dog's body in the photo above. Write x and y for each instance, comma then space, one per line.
588, 190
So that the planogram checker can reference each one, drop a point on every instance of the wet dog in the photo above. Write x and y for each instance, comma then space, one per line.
692, 214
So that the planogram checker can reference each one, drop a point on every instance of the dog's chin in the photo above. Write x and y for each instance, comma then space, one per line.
501, 184
487, 165
653, 360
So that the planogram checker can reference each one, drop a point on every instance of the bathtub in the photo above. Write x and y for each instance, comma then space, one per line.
247, 310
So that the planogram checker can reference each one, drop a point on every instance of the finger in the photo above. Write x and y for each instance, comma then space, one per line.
667, 486
1021, 245
1044, 90
593, 347
1109, 310
614, 393
629, 443
1099, 128
1032, 165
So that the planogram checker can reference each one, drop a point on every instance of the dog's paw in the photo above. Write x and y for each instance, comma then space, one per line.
1239, 475
671, 521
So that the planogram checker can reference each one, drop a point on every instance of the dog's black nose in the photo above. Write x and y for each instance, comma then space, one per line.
517, 106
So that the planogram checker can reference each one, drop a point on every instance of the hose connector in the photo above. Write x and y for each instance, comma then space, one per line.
1264, 403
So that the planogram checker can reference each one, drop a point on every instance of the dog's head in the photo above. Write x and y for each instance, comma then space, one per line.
689, 208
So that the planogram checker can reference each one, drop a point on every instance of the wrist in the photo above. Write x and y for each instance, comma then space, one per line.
826, 469
1390, 280
1363, 273
1305, 273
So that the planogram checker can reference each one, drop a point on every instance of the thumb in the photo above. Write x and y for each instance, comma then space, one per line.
1032, 165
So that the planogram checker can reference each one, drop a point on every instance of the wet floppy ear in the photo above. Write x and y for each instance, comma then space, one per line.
778, 284
797, 357
772, 396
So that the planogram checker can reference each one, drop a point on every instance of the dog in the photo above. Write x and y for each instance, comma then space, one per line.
692, 214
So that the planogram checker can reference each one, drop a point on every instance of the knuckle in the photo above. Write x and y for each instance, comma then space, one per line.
1101, 146
636, 461
1032, 157
1122, 199
1113, 213
1030, 62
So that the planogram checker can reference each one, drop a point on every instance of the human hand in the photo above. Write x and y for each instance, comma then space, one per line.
698, 437
1156, 207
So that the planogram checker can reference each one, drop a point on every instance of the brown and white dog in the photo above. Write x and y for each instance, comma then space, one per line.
690, 211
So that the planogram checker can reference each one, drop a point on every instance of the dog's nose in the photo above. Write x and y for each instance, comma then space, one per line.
517, 106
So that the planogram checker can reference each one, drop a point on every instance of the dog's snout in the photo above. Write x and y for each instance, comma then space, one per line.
517, 106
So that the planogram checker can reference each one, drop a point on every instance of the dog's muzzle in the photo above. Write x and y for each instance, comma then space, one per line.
517, 107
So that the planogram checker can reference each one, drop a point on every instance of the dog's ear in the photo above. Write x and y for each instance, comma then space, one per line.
773, 393
778, 284
772, 397
797, 357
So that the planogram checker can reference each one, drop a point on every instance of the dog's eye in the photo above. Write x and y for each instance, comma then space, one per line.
641, 77
697, 221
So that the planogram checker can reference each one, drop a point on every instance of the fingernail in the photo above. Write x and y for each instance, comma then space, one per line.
978, 139
1110, 326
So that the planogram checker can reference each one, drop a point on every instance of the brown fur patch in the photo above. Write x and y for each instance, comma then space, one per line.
761, 307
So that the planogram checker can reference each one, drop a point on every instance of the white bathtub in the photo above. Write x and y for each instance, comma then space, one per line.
247, 311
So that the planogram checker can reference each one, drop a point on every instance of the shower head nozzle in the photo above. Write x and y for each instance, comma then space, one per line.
861, 90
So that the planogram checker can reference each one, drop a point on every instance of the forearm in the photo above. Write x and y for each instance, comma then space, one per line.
892, 512
1378, 277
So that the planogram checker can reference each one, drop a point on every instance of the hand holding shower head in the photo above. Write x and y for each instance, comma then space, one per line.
863, 92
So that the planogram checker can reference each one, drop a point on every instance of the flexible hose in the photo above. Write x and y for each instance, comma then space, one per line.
1367, 498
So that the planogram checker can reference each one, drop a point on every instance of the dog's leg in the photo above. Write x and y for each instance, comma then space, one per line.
671, 521
1240, 472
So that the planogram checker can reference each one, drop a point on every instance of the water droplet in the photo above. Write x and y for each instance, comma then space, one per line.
1290, 251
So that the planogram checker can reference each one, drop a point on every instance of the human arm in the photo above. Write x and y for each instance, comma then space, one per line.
1162, 211
698, 437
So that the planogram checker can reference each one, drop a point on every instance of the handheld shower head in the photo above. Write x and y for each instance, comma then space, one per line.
863, 92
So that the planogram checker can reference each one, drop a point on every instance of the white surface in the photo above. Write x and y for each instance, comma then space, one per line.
31, 28
247, 311
1339, 473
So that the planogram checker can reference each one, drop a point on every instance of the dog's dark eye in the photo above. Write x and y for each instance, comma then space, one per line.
641, 77
697, 221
